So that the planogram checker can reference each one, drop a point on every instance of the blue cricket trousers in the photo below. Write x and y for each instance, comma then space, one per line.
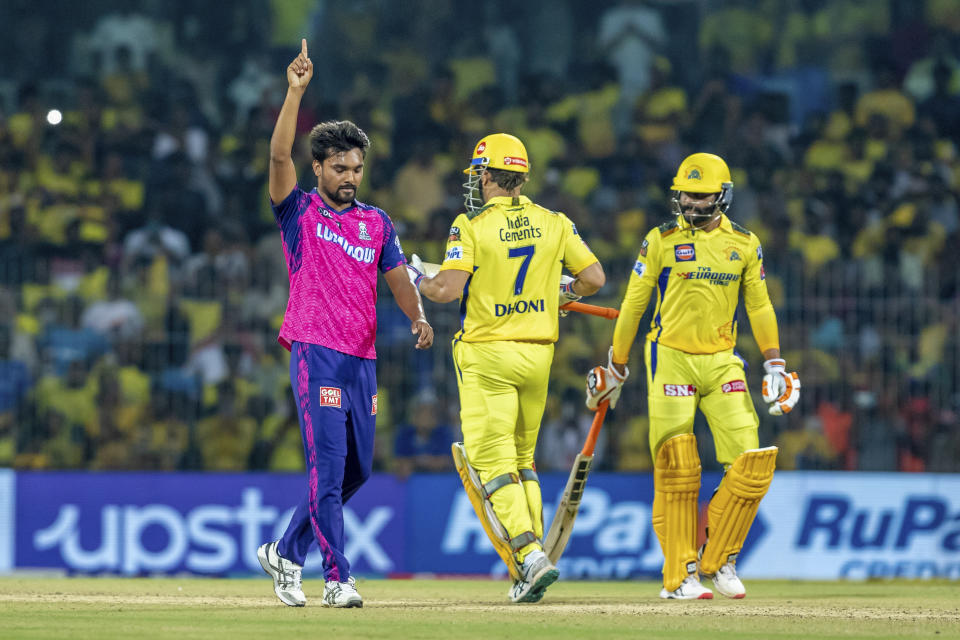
336, 403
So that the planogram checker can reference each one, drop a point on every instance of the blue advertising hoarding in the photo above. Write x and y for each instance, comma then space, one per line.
810, 525
200, 523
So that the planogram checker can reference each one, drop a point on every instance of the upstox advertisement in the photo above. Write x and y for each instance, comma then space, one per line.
199, 523
810, 525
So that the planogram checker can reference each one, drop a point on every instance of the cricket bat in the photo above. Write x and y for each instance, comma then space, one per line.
592, 309
559, 534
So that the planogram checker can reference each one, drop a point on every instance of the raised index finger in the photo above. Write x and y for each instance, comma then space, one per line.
303, 47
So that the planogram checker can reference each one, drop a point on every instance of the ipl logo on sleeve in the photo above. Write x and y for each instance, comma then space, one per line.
455, 253
684, 252
639, 268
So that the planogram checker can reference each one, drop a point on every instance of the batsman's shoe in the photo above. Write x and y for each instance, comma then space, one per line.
341, 594
727, 582
689, 589
286, 575
538, 574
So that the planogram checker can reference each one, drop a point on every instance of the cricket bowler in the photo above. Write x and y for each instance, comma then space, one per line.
335, 246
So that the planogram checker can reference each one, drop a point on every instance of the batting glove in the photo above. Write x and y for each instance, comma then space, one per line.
566, 293
415, 270
781, 390
604, 383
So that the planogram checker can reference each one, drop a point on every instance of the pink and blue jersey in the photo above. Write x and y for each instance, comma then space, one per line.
333, 259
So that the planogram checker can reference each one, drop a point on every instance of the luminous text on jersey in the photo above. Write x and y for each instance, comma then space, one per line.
361, 254
519, 229
715, 277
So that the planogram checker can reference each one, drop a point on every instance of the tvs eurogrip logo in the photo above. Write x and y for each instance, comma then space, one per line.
510, 160
330, 397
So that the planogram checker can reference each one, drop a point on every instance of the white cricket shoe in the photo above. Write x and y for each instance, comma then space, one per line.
538, 574
727, 582
341, 594
689, 589
286, 575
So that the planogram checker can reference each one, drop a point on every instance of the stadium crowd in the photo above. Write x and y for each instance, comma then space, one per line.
142, 282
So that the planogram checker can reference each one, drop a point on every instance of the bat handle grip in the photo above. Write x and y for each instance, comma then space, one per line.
592, 309
598, 417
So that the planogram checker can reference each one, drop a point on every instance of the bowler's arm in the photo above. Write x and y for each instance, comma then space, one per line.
410, 303
282, 176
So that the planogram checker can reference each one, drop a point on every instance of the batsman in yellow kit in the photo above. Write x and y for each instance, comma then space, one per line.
504, 258
697, 265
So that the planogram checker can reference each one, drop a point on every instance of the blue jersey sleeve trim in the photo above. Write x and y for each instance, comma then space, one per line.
291, 205
287, 214
391, 254
662, 283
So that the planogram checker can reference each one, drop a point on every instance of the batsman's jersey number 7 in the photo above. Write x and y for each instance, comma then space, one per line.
514, 250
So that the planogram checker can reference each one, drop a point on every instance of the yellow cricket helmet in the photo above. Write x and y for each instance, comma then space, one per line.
703, 173
496, 151
500, 151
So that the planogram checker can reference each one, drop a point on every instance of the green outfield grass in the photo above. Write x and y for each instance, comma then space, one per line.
247, 608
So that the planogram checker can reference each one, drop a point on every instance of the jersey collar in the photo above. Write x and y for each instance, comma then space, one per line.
508, 201
724, 224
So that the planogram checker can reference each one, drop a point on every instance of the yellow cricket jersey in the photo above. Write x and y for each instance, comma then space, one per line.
697, 277
514, 251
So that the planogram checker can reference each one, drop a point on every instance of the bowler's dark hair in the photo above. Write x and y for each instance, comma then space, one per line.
335, 136
507, 180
